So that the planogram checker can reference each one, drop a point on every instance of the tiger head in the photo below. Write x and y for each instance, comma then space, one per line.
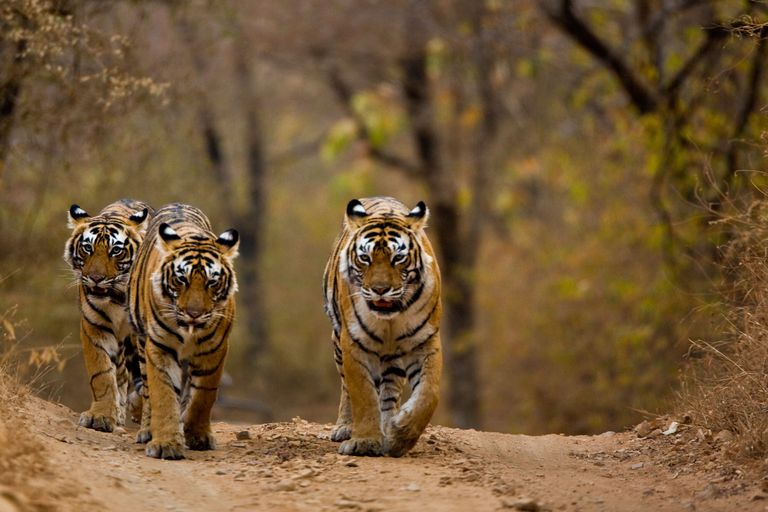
101, 249
196, 277
384, 257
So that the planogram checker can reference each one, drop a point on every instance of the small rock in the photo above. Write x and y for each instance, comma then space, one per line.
671, 429
237, 444
347, 504
285, 485
120, 430
351, 464
412, 487
724, 436
759, 496
637, 465
242, 435
524, 504
221, 472
648, 428
110, 448
307, 473
709, 492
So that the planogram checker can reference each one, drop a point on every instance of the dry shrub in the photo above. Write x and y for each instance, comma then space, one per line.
726, 388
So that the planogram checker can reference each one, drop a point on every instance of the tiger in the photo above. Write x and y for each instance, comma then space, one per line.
382, 295
100, 252
181, 299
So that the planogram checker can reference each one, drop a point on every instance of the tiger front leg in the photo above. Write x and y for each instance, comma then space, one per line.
343, 428
144, 415
100, 349
164, 381
366, 431
205, 378
403, 430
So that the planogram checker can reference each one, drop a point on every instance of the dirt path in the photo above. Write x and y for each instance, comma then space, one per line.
294, 466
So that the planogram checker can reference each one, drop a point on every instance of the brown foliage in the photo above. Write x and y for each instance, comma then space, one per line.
727, 389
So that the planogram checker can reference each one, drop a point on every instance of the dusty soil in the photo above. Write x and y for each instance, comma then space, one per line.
294, 466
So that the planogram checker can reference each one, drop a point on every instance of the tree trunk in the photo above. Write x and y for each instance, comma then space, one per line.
11, 74
250, 219
456, 256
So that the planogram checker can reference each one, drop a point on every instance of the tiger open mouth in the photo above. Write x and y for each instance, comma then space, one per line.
382, 305
98, 291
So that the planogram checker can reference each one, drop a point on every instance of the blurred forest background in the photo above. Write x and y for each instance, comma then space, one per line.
576, 155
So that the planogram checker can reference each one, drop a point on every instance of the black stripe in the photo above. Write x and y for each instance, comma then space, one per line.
203, 388
96, 345
162, 324
415, 296
214, 329
100, 312
416, 329
100, 327
390, 399
394, 370
367, 330
212, 350
99, 374
414, 373
204, 372
391, 357
166, 349
420, 345
360, 344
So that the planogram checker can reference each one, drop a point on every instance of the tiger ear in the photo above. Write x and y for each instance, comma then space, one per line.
417, 218
76, 216
356, 214
138, 219
168, 236
228, 243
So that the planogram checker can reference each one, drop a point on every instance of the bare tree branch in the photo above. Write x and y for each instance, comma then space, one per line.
564, 17
344, 94
747, 109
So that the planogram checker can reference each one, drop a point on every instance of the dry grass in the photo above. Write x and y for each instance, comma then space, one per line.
727, 388
23, 462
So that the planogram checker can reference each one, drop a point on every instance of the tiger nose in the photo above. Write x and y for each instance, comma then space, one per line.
381, 290
96, 278
194, 312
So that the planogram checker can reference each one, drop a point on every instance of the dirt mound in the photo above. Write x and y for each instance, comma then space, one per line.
49, 463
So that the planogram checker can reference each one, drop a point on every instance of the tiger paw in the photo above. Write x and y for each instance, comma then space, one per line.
400, 435
341, 432
172, 450
97, 422
134, 407
370, 447
399, 446
144, 436
200, 441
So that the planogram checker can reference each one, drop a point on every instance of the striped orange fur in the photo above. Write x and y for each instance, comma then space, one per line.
382, 294
182, 305
101, 251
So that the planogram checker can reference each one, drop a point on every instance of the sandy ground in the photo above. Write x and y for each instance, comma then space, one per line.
294, 466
